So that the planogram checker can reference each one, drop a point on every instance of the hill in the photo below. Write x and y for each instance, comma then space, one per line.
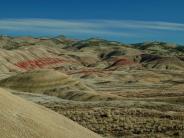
53, 83
164, 63
23, 119
112, 88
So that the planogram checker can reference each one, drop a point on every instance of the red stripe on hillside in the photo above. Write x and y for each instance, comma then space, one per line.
39, 63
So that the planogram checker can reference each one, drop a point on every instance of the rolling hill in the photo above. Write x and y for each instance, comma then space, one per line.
53, 83
114, 89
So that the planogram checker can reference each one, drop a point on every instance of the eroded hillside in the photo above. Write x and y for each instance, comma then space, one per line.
111, 88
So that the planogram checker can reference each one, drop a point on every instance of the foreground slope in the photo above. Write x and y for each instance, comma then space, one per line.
22, 119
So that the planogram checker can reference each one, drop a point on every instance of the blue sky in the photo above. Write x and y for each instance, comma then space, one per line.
123, 20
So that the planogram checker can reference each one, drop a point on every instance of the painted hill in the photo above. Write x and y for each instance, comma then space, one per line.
164, 63
160, 48
53, 83
112, 88
35, 57
23, 119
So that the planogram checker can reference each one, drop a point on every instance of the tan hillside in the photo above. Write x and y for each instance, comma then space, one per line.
22, 119
171, 63
34, 57
51, 82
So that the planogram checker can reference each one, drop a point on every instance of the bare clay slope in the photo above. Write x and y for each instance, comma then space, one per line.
22, 119
53, 83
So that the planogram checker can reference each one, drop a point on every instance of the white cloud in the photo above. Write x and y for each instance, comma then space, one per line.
120, 28
154, 25
57, 26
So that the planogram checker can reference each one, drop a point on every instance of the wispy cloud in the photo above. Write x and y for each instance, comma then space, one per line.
153, 25
114, 28
58, 26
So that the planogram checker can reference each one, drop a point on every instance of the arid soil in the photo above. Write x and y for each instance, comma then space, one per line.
114, 89
22, 119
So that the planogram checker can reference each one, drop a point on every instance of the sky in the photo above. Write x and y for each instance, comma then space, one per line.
128, 21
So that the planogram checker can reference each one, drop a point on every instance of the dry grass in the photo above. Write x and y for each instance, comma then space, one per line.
127, 121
